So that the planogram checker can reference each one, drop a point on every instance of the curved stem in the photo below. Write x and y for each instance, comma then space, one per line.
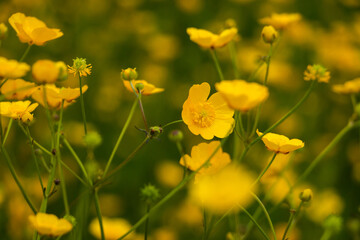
82, 105
217, 64
171, 123
291, 219
7, 130
98, 212
33, 141
255, 223
265, 170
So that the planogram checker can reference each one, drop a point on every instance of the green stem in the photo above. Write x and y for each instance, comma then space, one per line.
48, 116
204, 225
131, 114
73, 173
25, 53
147, 223
98, 212
265, 170
182, 153
253, 74
268, 64
143, 112
232, 50
7, 130
217, 65
82, 105
171, 123
13, 173
327, 234
353, 102
291, 219
255, 223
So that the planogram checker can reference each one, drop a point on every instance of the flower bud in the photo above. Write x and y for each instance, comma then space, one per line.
63, 72
71, 219
3, 31
139, 87
333, 223
155, 131
269, 34
176, 135
92, 139
45, 71
150, 194
129, 74
306, 195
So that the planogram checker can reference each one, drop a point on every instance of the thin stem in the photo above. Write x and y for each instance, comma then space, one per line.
98, 212
253, 74
240, 122
171, 123
147, 223
232, 50
268, 64
82, 105
265, 170
16, 178
327, 234
143, 112
25, 53
7, 130
217, 64
353, 101
266, 214
48, 117
255, 223
73, 173
182, 153
291, 219
204, 225
126, 125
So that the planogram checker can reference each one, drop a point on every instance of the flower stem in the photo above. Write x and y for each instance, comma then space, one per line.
268, 58
171, 123
182, 153
25, 53
98, 212
143, 112
291, 219
147, 223
82, 105
33, 141
7, 131
217, 64
232, 50
126, 125
204, 225
255, 222
265, 170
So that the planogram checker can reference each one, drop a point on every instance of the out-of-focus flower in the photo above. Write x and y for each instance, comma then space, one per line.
45, 71
55, 95
282, 20
219, 193
17, 89
80, 67
207, 117
3, 31
18, 110
316, 72
169, 173
294, 234
208, 39
280, 143
129, 74
147, 90
49, 224
349, 87
200, 154
306, 195
12, 68
164, 234
63, 70
190, 6
189, 214
31, 30
241, 95
278, 187
114, 228
269, 34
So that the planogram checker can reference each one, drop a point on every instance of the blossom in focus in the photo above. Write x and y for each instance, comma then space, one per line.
49, 224
280, 143
349, 87
241, 95
12, 68
17, 89
31, 30
45, 71
80, 67
207, 117
114, 228
201, 153
208, 39
18, 110
56, 95
316, 72
148, 88
282, 20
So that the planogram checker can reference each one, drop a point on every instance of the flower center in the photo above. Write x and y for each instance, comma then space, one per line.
203, 115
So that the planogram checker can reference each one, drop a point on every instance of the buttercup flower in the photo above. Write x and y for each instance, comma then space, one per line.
55, 95
280, 143
129, 74
12, 68
349, 87
45, 71
147, 90
242, 95
269, 34
18, 110
208, 39
207, 117
49, 224
31, 30
80, 67
282, 20
225, 190
316, 72
114, 228
17, 89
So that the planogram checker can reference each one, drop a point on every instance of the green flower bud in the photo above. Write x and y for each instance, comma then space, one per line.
129, 74
3, 31
155, 131
71, 219
333, 223
92, 139
150, 194
176, 135
306, 195
139, 87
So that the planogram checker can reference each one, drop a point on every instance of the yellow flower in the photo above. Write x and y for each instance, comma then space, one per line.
3, 31
12, 68
56, 95
45, 71
241, 95
316, 72
80, 67
282, 20
31, 30
114, 228
269, 34
49, 224
169, 173
280, 143
208, 39
228, 189
349, 87
17, 89
18, 110
147, 90
200, 154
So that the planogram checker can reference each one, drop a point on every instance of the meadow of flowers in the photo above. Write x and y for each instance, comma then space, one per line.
184, 119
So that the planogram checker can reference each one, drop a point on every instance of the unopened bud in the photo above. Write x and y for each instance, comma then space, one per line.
176, 135
150, 194
139, 86
92, 139
57, 181
269, 34
334, 223
129, 74
3, 31
306, 195
71, 219
155, 131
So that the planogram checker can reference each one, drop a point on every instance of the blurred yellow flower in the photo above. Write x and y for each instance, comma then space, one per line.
147, 90
17, 89
349, 87
269, 34
80, 67
12, 68
207, 117
169, 173
18, 110
49, 224
45, 71
280, 143
282, 20
200, 154
208, 39
316, 72
55, 95
241, 95
189, 214
114, 228
223, 191
31, 30
3, 31
164, 234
